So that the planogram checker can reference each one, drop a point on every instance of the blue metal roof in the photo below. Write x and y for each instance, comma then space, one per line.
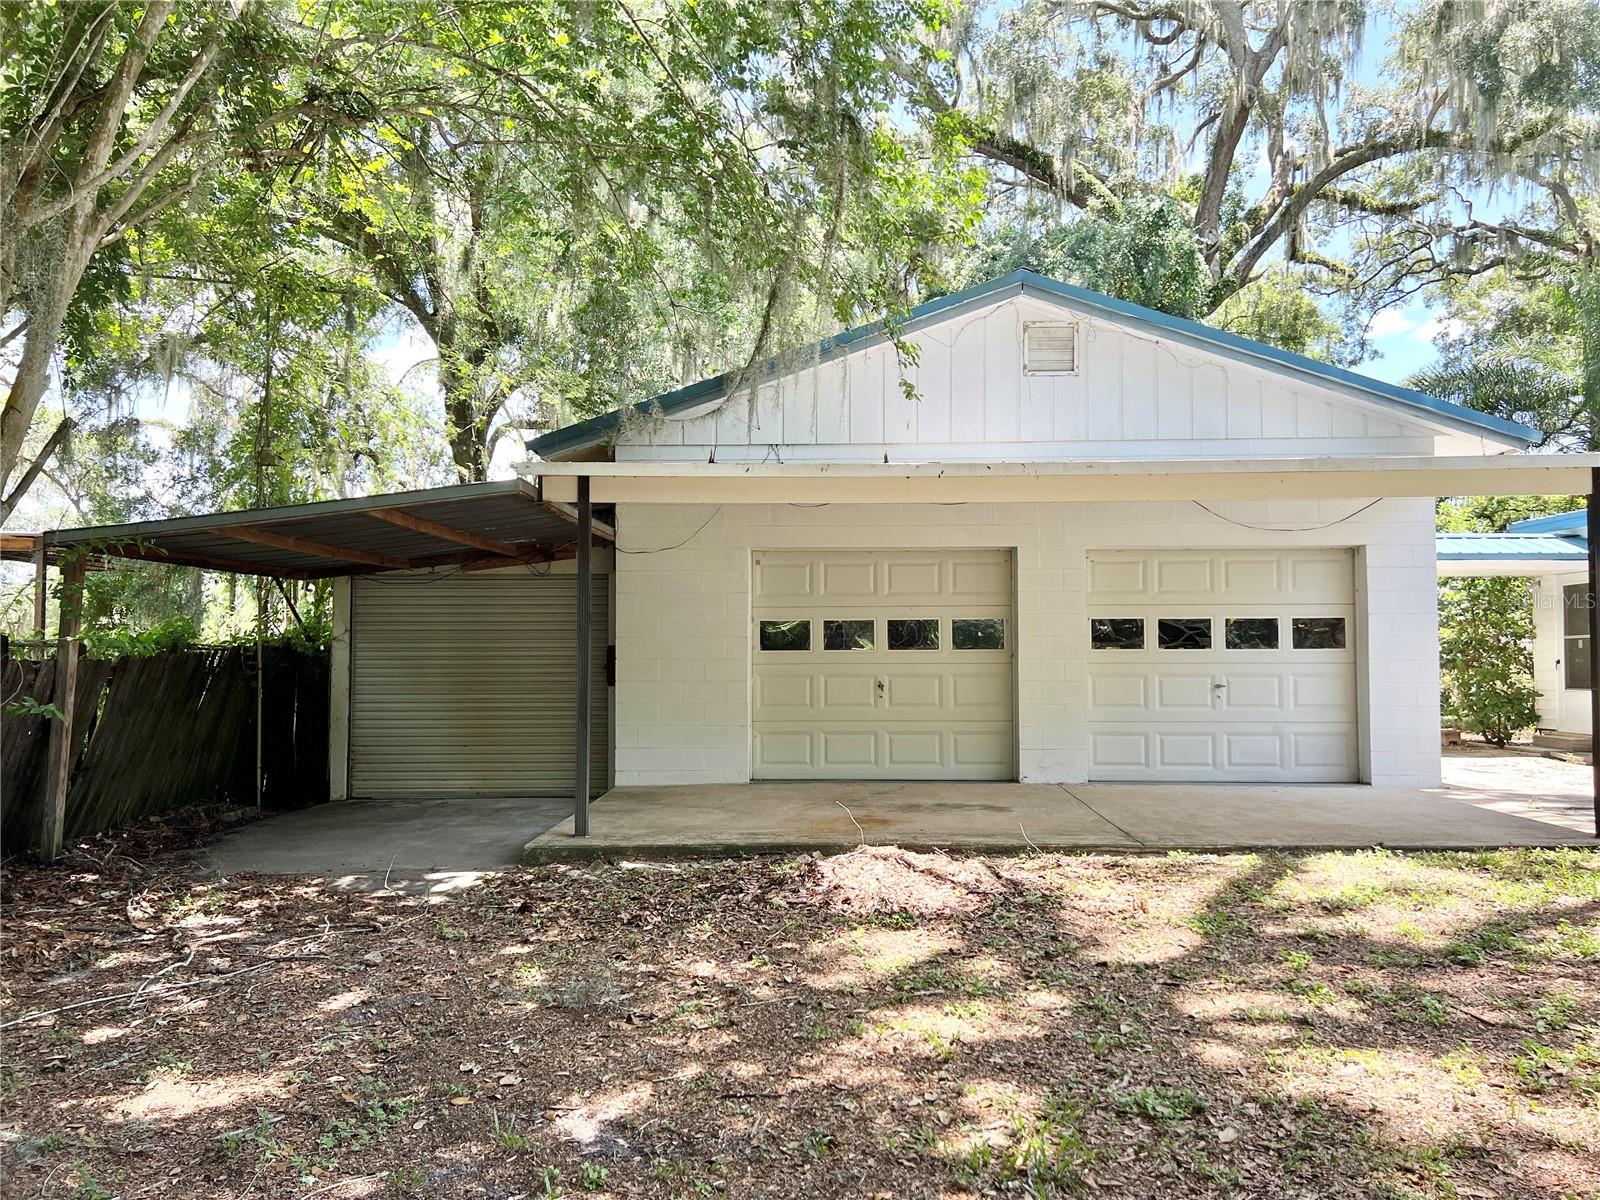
1025, 282
1574, 521
1510, 547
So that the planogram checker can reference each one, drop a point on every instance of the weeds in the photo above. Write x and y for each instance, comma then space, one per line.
506, 1135
1159, 1103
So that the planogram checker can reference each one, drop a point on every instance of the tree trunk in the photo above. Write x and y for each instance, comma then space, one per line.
46, 316
468, 443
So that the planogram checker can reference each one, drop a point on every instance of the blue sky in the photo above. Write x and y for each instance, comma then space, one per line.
1402, 342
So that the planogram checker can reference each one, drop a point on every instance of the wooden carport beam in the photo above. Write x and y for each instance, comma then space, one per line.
279, 541
446, 533
569, 512
182, 558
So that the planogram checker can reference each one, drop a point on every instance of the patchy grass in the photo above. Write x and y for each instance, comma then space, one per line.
881, 1023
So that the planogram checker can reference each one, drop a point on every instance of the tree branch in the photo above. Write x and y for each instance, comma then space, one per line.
52, 443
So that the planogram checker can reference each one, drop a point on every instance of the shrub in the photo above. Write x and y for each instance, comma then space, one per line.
1485, 653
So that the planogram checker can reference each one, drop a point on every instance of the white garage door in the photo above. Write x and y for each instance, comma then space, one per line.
465, 684
1222, 665
883, 665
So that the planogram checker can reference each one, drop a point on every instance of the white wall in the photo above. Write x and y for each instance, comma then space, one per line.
1560, 708
1134, 396
682, 617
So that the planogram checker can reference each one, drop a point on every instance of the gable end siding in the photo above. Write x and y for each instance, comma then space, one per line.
1132, 395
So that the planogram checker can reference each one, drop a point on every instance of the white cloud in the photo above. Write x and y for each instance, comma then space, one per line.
1452, 329
398, 353
1390, 323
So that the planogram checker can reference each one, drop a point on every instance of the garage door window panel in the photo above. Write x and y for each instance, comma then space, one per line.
1319, 633
786, 636
1184, 633
913, 633
978, 633
1116, 633
1251, 633
849, 635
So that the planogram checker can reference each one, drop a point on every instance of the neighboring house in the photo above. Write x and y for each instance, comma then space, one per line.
1554, 552
1088, 542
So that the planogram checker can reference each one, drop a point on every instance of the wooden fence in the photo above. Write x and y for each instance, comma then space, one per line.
163, 731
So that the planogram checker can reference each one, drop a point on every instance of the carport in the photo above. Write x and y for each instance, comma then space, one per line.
469, 527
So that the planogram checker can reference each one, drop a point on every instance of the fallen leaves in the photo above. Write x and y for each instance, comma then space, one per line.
678, 1027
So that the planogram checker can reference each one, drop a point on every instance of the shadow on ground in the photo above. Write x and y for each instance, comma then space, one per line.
876, 1024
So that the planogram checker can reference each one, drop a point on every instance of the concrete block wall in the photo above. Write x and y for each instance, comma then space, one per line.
683, 605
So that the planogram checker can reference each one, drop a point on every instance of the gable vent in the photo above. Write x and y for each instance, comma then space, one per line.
1050, 349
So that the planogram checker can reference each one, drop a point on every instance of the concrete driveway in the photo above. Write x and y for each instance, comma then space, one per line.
1489, 799
362, 840
643, 822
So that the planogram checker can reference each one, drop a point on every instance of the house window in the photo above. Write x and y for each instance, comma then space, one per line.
1116, 633
848, 635
1576, 655
1184, 633
978, 633
1251, 633
916, 633
1318, 633
786, 635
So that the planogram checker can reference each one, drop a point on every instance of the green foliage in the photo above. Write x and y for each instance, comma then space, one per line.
1278, 309
506, 1135
1280, 143
1486, 625
1486, 633
590, 223
31, 706
1493, 514
1526, 348
1159, 1103
174, 633
1141, 250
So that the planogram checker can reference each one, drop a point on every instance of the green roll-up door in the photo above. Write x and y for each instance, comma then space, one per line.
464, 684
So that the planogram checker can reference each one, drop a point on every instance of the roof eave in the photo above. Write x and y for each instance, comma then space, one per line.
1574, 522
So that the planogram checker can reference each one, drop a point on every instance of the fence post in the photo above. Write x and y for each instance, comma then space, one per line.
58, 776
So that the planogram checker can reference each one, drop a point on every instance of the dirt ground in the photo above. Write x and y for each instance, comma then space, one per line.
1473, 746
877, 1024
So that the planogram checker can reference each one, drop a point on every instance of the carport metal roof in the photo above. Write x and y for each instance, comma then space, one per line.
473, 525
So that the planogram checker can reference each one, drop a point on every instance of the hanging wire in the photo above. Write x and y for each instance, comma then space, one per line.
676, 545
1289, 528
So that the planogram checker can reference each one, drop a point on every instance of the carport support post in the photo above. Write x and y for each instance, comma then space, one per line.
1593, 516
580, 789
41, 587
58, 762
